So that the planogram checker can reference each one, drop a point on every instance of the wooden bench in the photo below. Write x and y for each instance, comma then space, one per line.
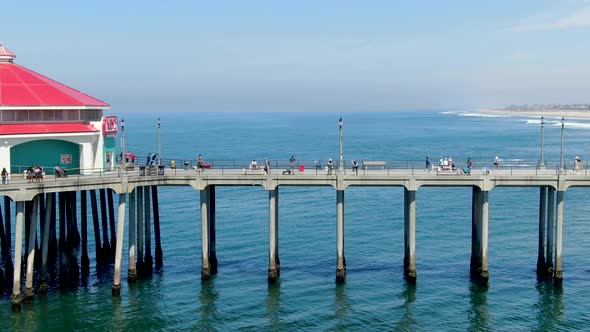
379, 163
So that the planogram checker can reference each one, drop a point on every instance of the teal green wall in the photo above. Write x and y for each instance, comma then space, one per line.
46, 153
109, 146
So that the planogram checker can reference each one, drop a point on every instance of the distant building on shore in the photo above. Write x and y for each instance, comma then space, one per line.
44, 122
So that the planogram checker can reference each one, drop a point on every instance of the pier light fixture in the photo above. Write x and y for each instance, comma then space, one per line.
123, 144
159, 145
561, 163
341, 164
542, 162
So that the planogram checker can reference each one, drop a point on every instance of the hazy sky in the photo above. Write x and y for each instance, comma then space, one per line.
317, 55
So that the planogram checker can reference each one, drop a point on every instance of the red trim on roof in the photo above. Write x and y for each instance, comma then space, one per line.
45, 128
20, 86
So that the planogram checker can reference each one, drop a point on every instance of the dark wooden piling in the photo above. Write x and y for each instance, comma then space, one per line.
52, 250
148, 260
73, 267
7, 224
45, 239
111, 208
84, 260
94, 206
106, 247
75, 231
63, 269
3, 244
156, 212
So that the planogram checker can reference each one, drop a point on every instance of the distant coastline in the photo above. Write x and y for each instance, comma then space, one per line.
547, 112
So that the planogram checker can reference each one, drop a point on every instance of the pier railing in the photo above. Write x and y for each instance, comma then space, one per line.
242, 166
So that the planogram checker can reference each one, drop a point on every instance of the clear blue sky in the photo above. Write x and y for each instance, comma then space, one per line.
320, 55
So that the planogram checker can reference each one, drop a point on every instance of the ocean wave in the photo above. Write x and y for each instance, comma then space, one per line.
483, 115
558, 123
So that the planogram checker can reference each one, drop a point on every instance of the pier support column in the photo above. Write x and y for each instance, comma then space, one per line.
85, 261
212, 231
479, 236
18, 253
139, 230
156, 210
148, 260
116, 290
111, 208
29, 291
341, 260
206, 266
542, 222
131, 271
273, 217
106, 247
8, 267
45, 242
97, 246
558, 276
550, 227
410, 235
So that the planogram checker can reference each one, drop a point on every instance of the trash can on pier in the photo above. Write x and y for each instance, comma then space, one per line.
160, 169
141, 170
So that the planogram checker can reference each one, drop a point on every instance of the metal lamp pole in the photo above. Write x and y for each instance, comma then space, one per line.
341, 165
561, 164
542, 162
159, 145
123, 144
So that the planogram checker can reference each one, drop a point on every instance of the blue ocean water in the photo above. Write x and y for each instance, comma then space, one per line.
375, 295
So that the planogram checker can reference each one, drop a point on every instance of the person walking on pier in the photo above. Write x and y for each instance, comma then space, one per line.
355, 167
469, 163
4, 175
496, 162
266, 166
292, 163
427, 164
148, 158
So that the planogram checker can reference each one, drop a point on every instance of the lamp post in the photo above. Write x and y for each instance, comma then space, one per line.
123, 163
561, 164
542, 162
341, 165
159, 145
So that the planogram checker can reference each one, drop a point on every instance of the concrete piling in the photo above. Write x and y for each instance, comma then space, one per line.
131, 271
140, 228
156, 211
212, 231
116, 289
410, 235
18, 252
340, 259
541, 263
273, 208
206, 266
148, 260
550, 227
479, 241
29, 291
558, 274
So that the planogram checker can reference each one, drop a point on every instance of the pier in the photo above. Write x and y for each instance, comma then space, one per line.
47, 214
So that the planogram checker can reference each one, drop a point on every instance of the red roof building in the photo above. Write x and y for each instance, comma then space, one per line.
37, 112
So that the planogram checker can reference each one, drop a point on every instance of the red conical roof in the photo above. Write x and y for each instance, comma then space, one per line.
23, 87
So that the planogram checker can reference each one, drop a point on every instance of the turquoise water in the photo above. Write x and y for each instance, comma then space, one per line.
375, 295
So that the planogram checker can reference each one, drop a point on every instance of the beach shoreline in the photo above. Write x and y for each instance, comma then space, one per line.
558, 113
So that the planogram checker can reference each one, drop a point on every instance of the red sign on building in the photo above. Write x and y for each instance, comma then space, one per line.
110, 125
